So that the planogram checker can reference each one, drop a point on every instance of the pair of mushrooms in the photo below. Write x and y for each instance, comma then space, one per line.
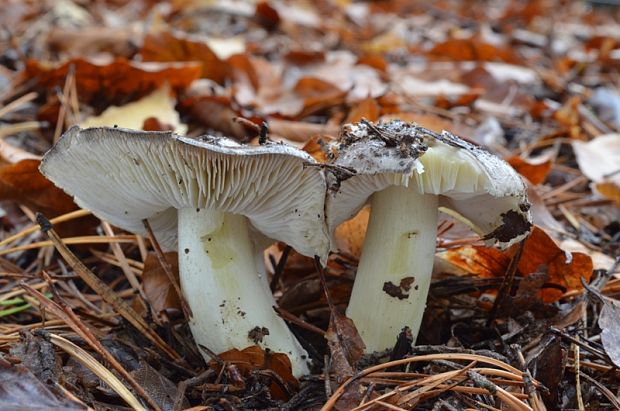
221, 203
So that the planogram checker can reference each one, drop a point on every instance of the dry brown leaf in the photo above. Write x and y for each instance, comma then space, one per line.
157, 288
350, 235
470, 50
120, 79
540, 253
254, 358
303, 132
367, 108
167, 47
345, 344
23, 182
316, 148
610, 190
535, 170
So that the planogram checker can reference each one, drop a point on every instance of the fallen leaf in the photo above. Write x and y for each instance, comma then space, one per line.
303, 132
23, 182
168, 47
470, 50
540, 252
610, 190
160, 389
350, 235
20, 390
600, 261
157, 288
535, 170
565, 269
609, 321
121, 79
254, 358
367, 108
159, 104
599, 159
345, 344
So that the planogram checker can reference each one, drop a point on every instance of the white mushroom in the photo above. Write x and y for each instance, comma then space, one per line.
409, 172
223, 200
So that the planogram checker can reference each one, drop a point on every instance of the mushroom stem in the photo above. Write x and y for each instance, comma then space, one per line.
394, 272
231, 303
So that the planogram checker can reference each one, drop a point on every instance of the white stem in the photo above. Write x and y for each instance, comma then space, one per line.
399, 248
225, 289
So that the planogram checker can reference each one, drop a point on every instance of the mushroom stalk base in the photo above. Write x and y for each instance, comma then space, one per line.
232, 305
394, 272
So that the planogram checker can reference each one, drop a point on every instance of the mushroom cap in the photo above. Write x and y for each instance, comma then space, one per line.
125, 176
474, 185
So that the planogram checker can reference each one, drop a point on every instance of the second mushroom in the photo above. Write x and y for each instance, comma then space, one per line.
407, 173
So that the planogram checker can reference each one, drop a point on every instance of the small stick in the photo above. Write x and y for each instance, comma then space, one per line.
279, 268
187, 311
507, 283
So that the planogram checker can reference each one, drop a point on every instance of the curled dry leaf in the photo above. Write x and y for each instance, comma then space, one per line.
121, 79
540, 252
254, 358
350, 235
367, 108
167, 47
470, 50
159, 105
23, 182
535, 170
157, 288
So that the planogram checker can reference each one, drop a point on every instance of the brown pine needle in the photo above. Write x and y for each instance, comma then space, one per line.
35, 227
98, 369
66, 314
108, 295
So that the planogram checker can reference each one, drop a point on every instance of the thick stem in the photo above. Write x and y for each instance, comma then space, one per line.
223, 285
394, 272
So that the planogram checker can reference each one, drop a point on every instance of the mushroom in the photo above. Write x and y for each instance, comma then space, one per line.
408, 173
222, 201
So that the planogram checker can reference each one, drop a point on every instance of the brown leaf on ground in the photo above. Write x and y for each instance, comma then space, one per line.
470, 50
157, 288
367, 108
350, 235
609, 321
20, 390
161, 389
23, 182
565, 270
345, 344
254, 358
168, 47
303, 132
610, 190
121, 79
316, 147
534, 170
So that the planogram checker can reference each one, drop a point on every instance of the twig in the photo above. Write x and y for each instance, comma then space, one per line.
506, 284
277, 273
